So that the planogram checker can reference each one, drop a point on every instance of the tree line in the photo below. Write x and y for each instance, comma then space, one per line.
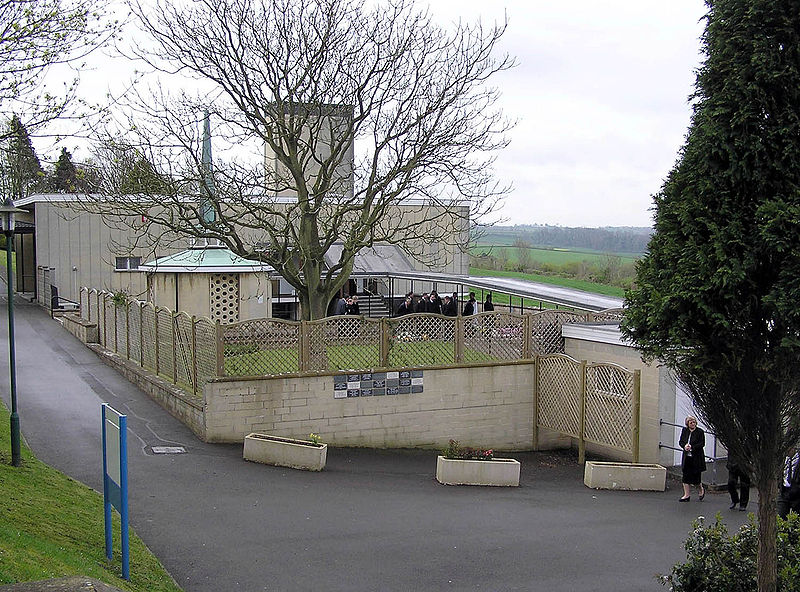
114, 167
605, 240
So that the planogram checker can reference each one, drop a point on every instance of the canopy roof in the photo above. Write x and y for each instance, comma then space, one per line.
207, 259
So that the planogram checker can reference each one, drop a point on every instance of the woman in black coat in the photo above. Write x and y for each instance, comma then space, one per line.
692, 442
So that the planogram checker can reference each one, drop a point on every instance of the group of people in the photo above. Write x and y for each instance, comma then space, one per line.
692, 442
447, 306
347, 306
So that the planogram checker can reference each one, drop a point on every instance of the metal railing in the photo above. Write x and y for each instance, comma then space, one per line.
711, 459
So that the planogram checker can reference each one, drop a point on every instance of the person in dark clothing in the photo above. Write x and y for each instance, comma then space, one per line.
436, 303
449, 307
692, 441
424, 303
488, 306
738, 484
352, 306
341, 307
789, 495
406, 307
469, 307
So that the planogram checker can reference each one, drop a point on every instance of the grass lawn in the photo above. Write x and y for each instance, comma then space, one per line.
52, 526
430, 352
604, 289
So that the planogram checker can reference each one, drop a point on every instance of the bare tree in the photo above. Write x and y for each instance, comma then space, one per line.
35, 36
523, 252
337, 124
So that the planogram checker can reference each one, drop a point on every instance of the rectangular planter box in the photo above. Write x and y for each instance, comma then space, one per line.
626, 476
285, 452
499, 471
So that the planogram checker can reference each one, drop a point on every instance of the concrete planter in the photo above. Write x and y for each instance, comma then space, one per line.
626, 476
285, 452
502, 472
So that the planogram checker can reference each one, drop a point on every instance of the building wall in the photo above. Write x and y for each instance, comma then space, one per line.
656, 389
194, 294
82, 249
479, 406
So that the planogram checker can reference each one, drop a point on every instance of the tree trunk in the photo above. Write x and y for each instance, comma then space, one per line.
768, 534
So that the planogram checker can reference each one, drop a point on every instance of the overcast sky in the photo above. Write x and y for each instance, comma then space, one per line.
600, 96
601, 99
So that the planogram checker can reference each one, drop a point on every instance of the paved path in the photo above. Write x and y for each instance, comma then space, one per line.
373, 520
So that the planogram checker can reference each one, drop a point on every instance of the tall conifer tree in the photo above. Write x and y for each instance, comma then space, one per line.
718, 291
65, 174
22, 170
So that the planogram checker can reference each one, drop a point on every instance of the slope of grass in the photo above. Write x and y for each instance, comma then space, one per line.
587, 286
552, 255
52, 526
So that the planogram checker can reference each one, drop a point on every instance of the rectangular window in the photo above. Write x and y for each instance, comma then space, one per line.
127, 263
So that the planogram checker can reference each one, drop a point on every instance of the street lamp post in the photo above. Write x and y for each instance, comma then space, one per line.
7, 211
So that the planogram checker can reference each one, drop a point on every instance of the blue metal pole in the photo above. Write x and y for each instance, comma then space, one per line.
16, 459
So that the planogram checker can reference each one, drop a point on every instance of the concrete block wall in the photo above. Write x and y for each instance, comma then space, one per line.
487, 406
652, 383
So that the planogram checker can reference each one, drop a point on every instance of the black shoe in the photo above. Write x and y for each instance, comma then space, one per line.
684, 499
733, 506
743, 508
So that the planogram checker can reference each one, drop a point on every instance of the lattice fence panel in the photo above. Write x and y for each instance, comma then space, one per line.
260, 347
559, 394
184, 354
122, 329
108, 322
610, 314
344, 343
149, 336
493, 336
609, 406
546, 330
166, 342
134, 331
421, 340
206, 350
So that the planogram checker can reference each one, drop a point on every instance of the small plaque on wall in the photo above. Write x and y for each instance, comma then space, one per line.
377, 384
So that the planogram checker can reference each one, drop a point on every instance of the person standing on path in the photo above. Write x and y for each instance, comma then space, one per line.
789, 495
738, 483
692, 442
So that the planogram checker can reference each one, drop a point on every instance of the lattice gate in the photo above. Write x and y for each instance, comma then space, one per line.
596, 403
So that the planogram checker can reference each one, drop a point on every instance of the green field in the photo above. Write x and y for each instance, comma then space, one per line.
52, 526
550, 255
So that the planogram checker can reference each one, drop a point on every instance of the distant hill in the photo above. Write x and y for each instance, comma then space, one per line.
617, 239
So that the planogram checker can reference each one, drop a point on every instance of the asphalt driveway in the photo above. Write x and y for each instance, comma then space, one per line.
373, 520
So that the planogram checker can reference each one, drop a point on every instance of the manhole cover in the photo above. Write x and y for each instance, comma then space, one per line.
168, 450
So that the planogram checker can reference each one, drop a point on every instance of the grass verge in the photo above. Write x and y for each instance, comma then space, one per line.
52, 526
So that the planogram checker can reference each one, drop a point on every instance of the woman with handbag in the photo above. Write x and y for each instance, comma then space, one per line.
692, 442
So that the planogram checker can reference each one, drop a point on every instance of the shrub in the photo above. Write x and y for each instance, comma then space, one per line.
716, 560
457, 452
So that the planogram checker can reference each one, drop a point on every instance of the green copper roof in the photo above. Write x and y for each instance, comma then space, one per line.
204, 260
